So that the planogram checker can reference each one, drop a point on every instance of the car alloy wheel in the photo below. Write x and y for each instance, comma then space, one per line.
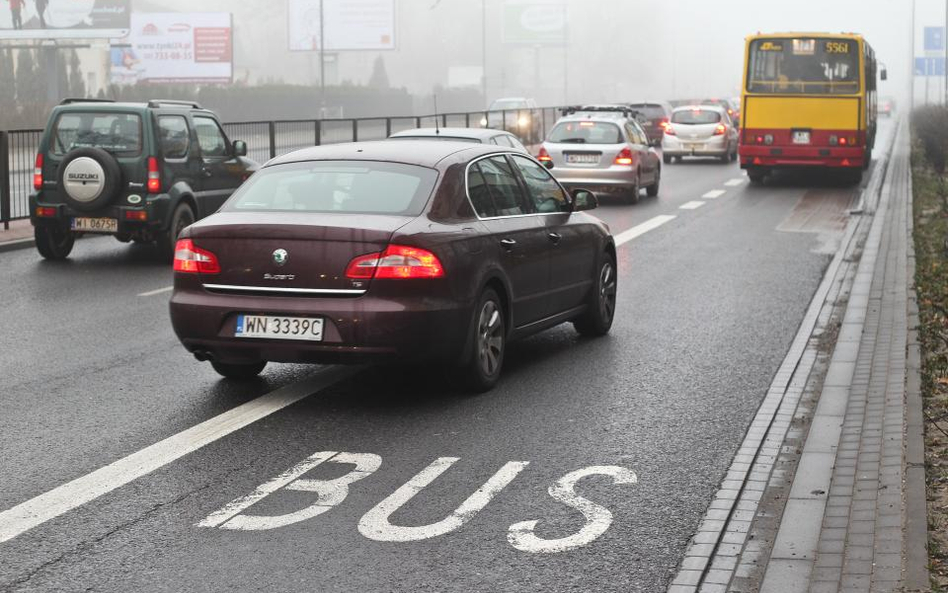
607, 291
490, 338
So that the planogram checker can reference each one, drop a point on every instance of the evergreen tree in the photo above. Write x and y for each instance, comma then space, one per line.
25, 75
379, 78
62, 76
77, 86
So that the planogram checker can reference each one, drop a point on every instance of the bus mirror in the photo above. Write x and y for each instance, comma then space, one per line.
884, 75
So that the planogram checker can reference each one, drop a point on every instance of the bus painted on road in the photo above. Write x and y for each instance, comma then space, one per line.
809, 100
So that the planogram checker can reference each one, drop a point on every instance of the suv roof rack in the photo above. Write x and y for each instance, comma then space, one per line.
72, 100
159, 102
623, 109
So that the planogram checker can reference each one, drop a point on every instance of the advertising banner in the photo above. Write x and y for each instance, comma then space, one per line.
534, 23
350, 25
176, 48
64, 19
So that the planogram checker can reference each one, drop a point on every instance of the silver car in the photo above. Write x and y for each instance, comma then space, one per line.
702, 131
477, 135
603, 152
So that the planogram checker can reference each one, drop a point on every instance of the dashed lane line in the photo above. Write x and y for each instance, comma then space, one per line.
692, 205
62, 499
158, 291
711, 195
639, 230
736, 182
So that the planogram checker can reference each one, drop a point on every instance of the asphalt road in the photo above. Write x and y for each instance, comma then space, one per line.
709, 302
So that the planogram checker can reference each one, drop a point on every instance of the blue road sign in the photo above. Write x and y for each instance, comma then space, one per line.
934, 39
929, 66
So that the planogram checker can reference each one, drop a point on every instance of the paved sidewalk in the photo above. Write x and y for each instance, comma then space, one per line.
19, 234
827, 493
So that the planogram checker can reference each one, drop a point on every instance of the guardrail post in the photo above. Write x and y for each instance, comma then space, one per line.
503, 124
417, 122
388, 127
318, 125
467, 120
5, 197
273, 140
355, 130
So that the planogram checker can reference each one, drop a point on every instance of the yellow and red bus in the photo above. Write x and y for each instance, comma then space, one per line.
809, 100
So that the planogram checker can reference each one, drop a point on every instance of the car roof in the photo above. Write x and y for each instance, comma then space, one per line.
605, 117
703, 107
474, 133
109, 106
425, 153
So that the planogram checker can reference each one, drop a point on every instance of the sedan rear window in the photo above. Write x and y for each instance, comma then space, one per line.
586, 132
696, 117
118, 133
351, 187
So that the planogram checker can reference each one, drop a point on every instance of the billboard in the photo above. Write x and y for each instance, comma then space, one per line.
534, 23
64, 19
175, 47
350, 24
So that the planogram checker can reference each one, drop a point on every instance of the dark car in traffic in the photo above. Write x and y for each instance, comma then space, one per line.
412, 250
655, 117
137, 171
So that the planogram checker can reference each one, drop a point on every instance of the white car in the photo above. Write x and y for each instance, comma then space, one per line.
700, 131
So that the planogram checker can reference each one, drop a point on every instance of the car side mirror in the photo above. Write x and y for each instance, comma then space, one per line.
583, 199
884, 75
240, 148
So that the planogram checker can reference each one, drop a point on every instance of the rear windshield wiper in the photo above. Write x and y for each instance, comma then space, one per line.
573, 141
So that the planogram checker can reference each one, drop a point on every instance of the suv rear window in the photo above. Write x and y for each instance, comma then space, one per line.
585, 132
650, 111
118, 133
350, 187
696, 117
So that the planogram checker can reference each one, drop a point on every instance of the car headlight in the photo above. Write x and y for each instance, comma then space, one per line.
524, 121
484, 122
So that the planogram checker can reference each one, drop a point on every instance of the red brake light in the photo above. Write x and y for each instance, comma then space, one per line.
720, 130
624, 157
397, 261
154, 176
136, 215
45, 212
544, 156
193, 260
38, 173
670, 130
664, 124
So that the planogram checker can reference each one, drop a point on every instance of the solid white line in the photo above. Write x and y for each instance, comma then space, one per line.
36, 511
714, 194
736, 182
639, 230
692, 205
154, 292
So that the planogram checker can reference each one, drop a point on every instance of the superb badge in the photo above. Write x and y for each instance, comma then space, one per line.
280, 256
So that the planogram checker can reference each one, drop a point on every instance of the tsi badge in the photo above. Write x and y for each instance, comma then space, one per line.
280, 256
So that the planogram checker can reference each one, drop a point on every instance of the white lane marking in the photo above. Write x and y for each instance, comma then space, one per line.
713, 194
598, 518
329, 493
154, 292
639, 230
62, 499
692, 205
736, 182
375, 524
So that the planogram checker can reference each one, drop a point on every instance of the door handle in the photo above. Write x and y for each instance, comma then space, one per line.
555, 237
508, 243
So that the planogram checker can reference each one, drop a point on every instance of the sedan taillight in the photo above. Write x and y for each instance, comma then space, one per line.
190, 259
624, 157
396, 262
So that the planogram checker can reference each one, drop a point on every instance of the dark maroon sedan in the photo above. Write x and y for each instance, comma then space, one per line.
410, 250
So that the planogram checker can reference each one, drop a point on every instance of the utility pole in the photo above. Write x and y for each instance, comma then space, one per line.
912, 58
484, 51
322, 62
945, 41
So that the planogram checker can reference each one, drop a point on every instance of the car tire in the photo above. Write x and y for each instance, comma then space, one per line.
53, 242
679, 159
239, 372
666, 159
111, 178
488, 335
652, 190
633, 194
183, 217
757, 176
600, 311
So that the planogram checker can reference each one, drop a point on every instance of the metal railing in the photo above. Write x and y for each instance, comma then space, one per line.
268, 139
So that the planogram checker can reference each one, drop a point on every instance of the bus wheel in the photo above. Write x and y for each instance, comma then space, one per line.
757, 176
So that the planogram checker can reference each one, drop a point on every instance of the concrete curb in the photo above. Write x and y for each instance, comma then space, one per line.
16, 244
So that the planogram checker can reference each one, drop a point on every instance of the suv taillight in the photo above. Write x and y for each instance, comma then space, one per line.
193, 260
624, 157
38, 172
397, 261
154, 176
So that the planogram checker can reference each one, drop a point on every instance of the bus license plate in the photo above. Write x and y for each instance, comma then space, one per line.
95, 225
801, 137
279, 327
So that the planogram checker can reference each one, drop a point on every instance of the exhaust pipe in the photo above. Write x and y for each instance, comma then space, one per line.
203, 355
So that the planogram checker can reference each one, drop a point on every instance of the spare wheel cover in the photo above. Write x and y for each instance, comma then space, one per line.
84, 179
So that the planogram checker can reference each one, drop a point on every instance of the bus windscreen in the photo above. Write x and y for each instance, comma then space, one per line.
804, 66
